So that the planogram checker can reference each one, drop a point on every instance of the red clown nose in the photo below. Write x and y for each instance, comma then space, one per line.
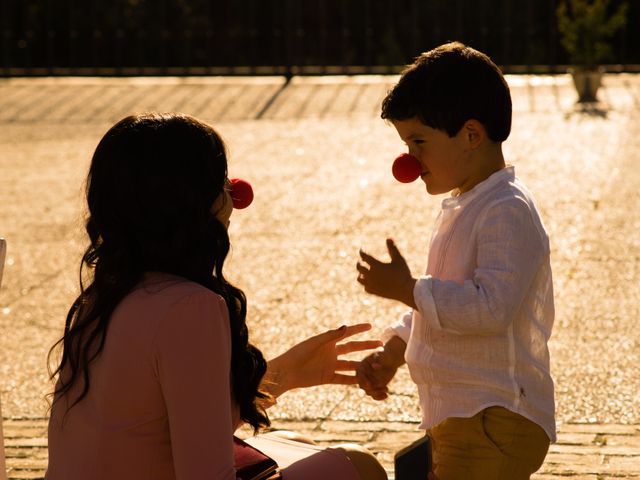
241, 193
406, 168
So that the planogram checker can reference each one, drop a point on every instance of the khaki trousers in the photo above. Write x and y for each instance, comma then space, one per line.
494, 444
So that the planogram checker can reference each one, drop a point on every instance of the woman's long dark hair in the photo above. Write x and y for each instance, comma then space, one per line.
152, 182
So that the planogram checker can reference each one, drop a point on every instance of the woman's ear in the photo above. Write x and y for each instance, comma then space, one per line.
474, 133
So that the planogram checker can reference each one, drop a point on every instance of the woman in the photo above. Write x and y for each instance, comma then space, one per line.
156, 370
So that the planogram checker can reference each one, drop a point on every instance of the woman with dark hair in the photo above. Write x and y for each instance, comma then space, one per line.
156, 369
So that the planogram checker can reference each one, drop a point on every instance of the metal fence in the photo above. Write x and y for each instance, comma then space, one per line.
138, 37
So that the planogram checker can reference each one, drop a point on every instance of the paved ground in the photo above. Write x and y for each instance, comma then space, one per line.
319, 159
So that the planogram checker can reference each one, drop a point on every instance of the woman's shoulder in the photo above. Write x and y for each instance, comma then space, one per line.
168, 306
171, 289
160, 295
187, 314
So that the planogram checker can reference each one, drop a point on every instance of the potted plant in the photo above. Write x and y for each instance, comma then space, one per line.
586, 28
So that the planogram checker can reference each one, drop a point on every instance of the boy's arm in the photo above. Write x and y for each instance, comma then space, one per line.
510, 253
389, 280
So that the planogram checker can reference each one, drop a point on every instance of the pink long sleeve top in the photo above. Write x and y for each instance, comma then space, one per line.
159, 406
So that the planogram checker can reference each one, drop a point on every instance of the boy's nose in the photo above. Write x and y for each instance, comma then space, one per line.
406, 168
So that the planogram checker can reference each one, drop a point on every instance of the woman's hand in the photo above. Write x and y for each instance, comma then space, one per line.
315, 361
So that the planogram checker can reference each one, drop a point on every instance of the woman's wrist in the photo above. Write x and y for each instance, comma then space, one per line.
274, 380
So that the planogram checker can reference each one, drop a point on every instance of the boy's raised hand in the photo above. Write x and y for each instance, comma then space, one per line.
391, 280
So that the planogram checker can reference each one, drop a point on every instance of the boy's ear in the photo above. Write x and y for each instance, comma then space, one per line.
474, 133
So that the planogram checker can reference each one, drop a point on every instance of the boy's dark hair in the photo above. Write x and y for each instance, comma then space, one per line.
449, 85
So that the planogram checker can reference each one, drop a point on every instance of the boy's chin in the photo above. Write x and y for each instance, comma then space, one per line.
434, 190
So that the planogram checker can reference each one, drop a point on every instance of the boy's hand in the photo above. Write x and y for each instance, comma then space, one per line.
374, 376
376, 370
389, 280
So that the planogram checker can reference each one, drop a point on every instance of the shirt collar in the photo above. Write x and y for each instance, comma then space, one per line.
457, 199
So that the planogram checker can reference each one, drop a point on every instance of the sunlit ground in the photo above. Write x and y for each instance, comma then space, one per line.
319, 159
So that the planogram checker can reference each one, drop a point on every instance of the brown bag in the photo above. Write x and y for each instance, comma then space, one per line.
251, 463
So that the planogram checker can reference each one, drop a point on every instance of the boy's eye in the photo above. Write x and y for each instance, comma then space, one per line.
418, 142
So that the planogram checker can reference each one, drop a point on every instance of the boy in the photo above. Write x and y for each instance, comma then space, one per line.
476, 339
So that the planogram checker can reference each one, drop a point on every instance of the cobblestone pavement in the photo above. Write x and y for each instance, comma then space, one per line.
319, 159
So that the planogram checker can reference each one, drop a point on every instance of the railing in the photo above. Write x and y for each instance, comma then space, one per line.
164, 37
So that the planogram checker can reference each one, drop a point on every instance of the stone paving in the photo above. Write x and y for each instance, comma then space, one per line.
319, 159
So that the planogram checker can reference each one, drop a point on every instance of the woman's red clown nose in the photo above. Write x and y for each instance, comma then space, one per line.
241, 193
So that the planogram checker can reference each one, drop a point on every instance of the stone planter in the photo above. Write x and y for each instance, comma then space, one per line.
587, 83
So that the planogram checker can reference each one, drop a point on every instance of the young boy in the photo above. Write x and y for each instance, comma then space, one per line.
476, 338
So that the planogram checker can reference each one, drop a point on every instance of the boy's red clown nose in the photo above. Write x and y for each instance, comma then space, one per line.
406, 168
241, 193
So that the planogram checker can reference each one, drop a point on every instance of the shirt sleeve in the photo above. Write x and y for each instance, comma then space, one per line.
193, 352
509, 252
402, 328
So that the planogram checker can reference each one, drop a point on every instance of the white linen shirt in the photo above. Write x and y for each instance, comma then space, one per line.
485, 308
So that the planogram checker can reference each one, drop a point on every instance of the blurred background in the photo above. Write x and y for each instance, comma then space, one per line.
283, 37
